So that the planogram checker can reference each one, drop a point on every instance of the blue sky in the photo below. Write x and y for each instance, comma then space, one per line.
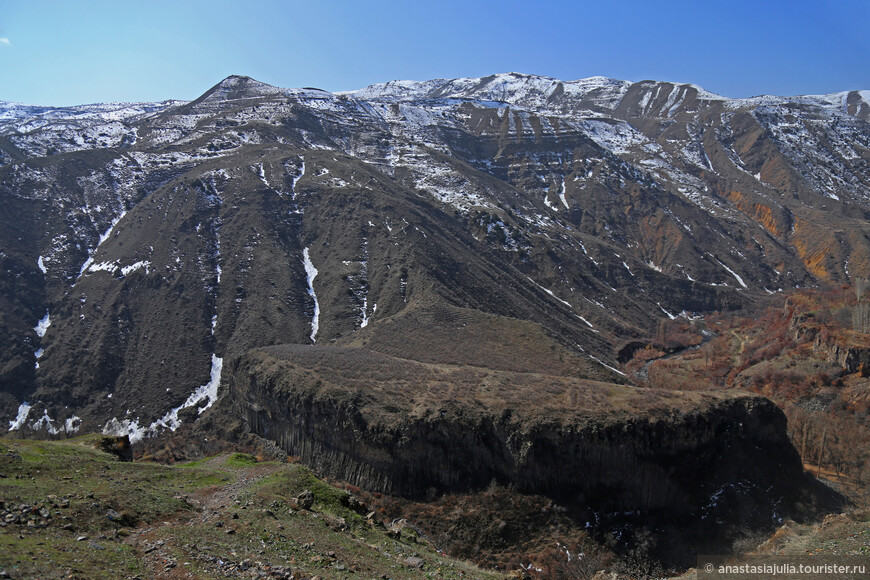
83, 51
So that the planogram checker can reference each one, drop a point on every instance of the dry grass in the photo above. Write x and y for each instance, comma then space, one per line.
461, 336
386, 389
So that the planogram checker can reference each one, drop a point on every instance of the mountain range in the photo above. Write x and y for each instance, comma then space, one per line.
422, 287
143, 244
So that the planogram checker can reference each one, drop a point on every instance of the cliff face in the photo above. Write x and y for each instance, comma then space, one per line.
847, 348
725, 457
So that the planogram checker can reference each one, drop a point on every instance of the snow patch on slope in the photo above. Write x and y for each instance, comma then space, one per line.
607, 366
732, 272
43, 324
562, 195
207, 392
298, 177
113, 267
103, 238
130, 428
311, 273
21, 417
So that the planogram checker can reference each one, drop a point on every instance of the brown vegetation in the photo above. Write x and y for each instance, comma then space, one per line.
807, 354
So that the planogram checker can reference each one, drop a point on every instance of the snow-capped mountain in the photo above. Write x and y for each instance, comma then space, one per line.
142, 245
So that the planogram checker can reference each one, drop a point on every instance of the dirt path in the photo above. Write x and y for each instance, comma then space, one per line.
209, 505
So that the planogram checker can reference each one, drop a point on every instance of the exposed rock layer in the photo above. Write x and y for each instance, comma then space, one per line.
712, 455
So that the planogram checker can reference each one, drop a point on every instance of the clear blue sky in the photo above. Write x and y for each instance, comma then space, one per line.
84, 51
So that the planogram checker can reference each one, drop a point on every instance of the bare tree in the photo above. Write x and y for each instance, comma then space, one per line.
860, 285
821, 452
861, 317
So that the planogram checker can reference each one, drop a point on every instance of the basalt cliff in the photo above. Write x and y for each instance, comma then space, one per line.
423, 287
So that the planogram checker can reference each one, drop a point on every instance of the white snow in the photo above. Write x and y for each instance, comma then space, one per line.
102, 267
525, 91
297, 178
39, 352
207, 392
108, 232
598, 360
103, 238
18, 422
365, 317
311, 273
133, 267
47, 423
261, 173
562, 195
668, 314
644, 101
112, 267
40, 263
547, 201
210, 389
550, 292
616, 136
131, 429
732, 272
42, 326
365, 320
72, 424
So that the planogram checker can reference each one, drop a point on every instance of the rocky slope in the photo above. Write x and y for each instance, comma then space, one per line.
141, 245
390, 282
69, 510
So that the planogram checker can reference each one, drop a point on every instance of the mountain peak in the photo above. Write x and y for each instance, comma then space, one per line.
236, 87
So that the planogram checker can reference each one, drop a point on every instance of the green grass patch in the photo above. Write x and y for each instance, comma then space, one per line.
111, 519
241, 460
292, 481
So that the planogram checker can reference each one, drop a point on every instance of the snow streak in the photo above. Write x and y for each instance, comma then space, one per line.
732, 272
311, 273
296, 179
103, 238
42, 326
207, 392
18, 422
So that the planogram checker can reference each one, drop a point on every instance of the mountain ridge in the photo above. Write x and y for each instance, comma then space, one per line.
376, 284
627, 195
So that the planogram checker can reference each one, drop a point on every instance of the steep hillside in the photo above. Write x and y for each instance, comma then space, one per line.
143, 245
432, 288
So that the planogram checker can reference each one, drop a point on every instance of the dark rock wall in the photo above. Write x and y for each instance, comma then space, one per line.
674, 462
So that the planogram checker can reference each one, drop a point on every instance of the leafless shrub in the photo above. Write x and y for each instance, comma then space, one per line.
860, 286
861, 317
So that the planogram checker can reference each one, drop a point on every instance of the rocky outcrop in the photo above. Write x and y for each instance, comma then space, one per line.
852, 358
847, 348
709, 456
